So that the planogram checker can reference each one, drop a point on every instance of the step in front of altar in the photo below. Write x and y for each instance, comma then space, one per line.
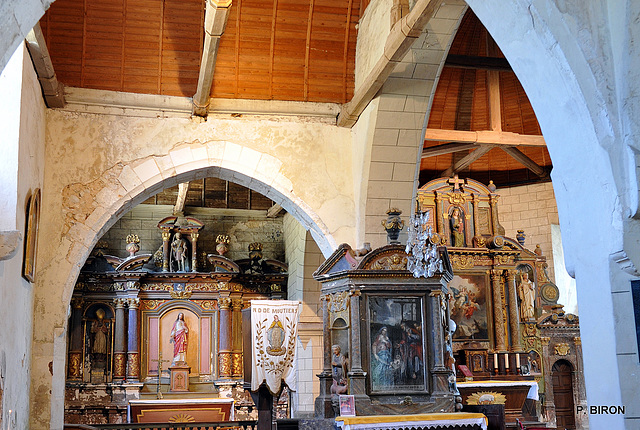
448, 421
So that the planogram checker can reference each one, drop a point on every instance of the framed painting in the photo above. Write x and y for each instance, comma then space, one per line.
397, 350
468, 305
32, 221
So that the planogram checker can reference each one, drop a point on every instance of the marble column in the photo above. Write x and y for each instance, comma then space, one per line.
194, 251
120, 341
75, 341
514, 320
224, 337
498, 310
236, 346
166, 235
133, 352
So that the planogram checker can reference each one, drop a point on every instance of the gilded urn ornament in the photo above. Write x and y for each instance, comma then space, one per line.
393, 225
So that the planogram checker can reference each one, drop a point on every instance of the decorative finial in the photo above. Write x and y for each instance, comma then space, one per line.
133, 244
520, 237
223, 244
492, 187
393, 225
538, 250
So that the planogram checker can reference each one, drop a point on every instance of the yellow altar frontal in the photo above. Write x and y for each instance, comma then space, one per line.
427, 421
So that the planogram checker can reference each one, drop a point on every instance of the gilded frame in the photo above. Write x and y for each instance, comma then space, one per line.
32, 223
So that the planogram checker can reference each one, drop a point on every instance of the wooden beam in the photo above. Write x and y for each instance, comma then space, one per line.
466, 161
478, 63
447, 148
182, 198
52, 90
215, 22
274, 210
525, 161
400, 39
484, 137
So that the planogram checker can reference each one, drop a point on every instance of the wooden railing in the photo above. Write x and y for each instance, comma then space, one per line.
222, 425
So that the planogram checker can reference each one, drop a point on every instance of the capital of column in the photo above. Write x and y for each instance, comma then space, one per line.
511, 274
496, 274
77, 302
134, 303
224, 303
194, 236
166, 235
237, 304
119, 303
355, 293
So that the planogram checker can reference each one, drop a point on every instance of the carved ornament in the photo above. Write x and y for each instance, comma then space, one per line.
456, 198
133, 285
545, 340
504, 259
183, 295
236, 364
487, 398
151, 304
224, 303
550, 293
461, 262
577, 340
75, 361
133, 303
561, 349
393, 262
133, 365
224, 363
338, 301
119, 364
207, 305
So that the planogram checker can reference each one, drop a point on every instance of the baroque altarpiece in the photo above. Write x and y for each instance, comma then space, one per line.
169, 322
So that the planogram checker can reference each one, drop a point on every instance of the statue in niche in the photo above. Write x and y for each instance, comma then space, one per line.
527, 293
179, 253
457, 227
99, 329
179, 337
339, 368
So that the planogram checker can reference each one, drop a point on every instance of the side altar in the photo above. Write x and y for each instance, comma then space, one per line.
166, 327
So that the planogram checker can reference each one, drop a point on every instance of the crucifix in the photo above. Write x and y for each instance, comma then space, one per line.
160, 361
456, 183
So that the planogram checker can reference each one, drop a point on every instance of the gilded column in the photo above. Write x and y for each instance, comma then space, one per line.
133, 353
476, 227
498, 310
236, 347
493, 200
75, 341
224, 337
194, 251
166, 235
514, 320
439, 215
120, 342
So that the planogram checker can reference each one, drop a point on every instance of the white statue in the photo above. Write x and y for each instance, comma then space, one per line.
527, 292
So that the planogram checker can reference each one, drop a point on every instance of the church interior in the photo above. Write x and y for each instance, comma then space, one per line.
427, 242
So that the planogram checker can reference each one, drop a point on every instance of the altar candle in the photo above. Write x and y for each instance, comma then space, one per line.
517, 360
495, 360
506, 360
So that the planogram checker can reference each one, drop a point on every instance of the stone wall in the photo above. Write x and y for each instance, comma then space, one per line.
242, 226
23, 137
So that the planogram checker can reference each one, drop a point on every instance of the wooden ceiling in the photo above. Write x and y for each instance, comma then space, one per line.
280, 49
462, 103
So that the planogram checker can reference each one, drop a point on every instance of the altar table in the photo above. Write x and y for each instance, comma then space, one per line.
422, 421
515, 392
180, 410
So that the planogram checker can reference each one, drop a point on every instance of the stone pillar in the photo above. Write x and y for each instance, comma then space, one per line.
120, 341
133, 353
75, 340
514, 320
498, 309
236, 346
323, 401
224, 337
166, 249
194, 251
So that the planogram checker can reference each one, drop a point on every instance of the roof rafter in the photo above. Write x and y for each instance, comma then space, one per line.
466, 161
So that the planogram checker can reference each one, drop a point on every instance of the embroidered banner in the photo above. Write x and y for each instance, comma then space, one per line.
274, 329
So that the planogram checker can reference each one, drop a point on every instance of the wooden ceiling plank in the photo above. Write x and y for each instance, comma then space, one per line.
345, 53
476, 62
523, 159
216, 16
307, 49
274, 210
401, 37
178, 208
274, 15
483, 137
466, 161
447, 148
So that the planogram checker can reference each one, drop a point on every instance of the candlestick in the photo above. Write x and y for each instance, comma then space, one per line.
495, 360
506, 360
517, 361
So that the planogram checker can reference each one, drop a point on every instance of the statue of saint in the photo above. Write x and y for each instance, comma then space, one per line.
527, 292
339, 368
457, 227
275, 335
179, 252
99, 328
179, 337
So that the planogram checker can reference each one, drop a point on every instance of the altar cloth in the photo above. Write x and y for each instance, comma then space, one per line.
380, 422
533, 386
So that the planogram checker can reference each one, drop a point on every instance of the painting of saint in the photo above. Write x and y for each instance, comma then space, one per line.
468, 307
275, 336
397, 344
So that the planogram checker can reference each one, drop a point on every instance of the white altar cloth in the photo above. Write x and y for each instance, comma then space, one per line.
391, 422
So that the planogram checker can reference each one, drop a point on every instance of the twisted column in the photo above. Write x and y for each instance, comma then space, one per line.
514, 321
498, 309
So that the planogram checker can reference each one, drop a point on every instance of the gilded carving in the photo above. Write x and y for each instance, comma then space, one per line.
224, 303
156, 287
224, 363
133, 365
461, 262
456, 198
561, 349
393, 262
133, 285
236, 364
237, 304
338, 301
487, 398
119, 364
577, 340
119, 302
504, 259
207, 305
75, 361
276, 288
545, 340
184, 295
151, 304
133, 303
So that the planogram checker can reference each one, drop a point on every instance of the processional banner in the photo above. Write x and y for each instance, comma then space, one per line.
274, 330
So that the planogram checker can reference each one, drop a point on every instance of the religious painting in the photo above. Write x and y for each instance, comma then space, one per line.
397, 359
468, 306
31, 236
